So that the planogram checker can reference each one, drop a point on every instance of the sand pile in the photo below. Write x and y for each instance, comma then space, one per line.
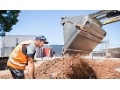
72, 67
76, 68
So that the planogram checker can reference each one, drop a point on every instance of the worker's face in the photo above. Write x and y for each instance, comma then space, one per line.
40, 43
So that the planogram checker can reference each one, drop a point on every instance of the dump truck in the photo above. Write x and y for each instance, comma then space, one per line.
83, 33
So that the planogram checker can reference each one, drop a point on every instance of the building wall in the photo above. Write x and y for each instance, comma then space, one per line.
9, 43
11, 40
57, 49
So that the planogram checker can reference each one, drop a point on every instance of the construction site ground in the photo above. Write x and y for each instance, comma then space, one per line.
76, 67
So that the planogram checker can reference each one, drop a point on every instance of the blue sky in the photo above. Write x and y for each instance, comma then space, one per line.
47, 22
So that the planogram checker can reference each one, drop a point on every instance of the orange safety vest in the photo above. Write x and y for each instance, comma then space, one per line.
17, 59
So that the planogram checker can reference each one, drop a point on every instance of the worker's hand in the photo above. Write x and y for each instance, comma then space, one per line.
32, 78
31, 67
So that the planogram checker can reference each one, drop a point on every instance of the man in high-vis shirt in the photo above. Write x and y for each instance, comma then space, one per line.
23, 55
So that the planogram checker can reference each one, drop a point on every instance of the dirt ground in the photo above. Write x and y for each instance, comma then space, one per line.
73, 68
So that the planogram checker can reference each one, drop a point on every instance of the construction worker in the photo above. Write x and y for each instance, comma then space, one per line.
23, 55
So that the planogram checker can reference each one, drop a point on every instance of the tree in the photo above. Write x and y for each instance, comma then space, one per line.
8, 18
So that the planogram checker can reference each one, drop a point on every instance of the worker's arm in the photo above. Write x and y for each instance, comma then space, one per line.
31, 67
30, 54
